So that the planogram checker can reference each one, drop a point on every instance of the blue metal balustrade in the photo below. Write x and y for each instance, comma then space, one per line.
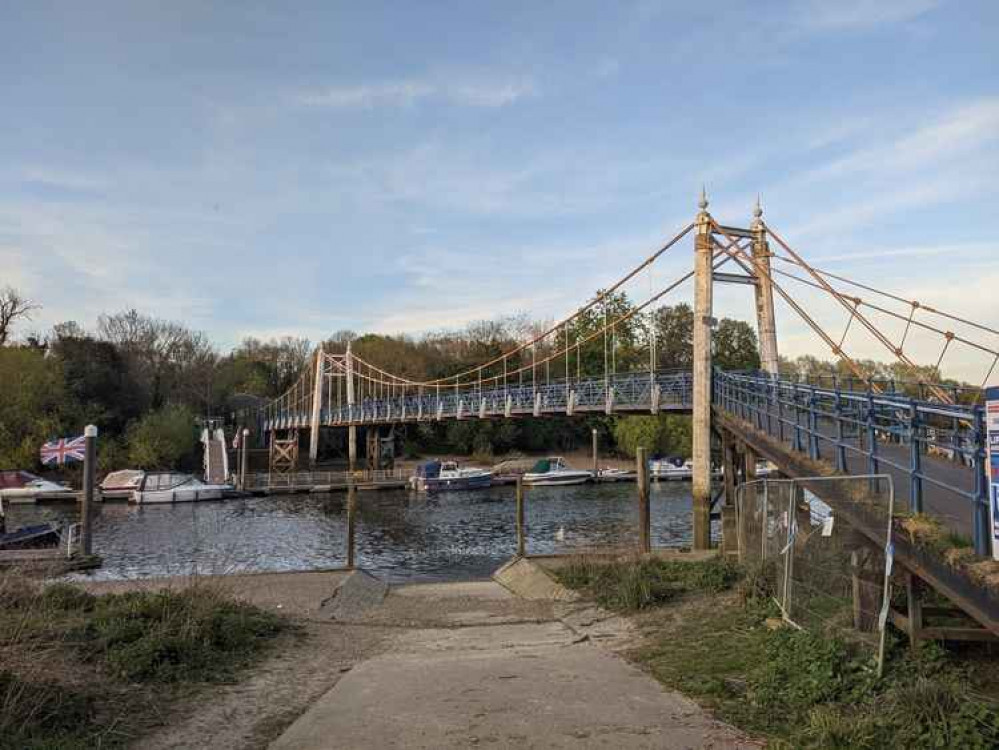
935, 452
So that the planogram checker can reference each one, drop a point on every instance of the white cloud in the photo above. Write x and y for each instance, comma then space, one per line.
483, 93
850, 15
62, 178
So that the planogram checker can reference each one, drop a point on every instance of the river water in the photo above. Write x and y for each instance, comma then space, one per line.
401, 536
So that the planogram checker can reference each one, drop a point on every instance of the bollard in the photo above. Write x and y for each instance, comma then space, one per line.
644, 516
351, 523
521, 541
89, 477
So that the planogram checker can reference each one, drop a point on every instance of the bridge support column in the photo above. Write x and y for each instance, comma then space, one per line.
352, 429
317, 404
766, 323
701, 414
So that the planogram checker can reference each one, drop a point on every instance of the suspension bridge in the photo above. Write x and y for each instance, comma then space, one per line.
929, 436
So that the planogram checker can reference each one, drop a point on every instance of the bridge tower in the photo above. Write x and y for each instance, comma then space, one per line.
701, 412
317, 404
704, 322
765, 321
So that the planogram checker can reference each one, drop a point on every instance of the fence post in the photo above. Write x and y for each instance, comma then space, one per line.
813, 427
89, 480
981, 499
915, 461
645, 518
872, 436
521, 541
840, 448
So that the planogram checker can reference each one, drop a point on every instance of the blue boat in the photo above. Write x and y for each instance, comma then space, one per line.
447, 476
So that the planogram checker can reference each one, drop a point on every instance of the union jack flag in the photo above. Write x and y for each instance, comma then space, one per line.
62, 450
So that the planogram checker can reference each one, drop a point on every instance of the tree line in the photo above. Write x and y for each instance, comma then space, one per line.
146, 382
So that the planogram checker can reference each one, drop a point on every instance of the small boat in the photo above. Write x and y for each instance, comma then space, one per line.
173, 487
671, 469
438, 476
126, 480
617, 475
553, 471
23, 485
39, 536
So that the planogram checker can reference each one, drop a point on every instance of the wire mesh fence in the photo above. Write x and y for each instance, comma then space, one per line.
830, 568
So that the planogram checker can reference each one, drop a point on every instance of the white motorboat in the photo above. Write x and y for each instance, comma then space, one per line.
437, 476
172, 487
671, 469
125, 480
617, 475
23, 486
553, 471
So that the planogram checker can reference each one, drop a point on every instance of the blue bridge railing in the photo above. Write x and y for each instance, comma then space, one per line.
935, 452
621, 393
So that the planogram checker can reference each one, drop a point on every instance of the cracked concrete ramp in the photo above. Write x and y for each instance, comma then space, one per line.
528, 580
523, 686
356, 594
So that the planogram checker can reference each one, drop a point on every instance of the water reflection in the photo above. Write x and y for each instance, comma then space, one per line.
400, 535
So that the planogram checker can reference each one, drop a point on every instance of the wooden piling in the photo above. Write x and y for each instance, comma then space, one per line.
596, 470
89, 481
244, 459
644, 515
521, 538
351, 524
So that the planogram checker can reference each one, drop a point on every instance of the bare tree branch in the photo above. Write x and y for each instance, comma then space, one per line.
13, 307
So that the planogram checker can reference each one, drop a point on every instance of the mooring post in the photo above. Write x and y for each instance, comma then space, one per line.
89, 480
244, 459
351, 523
596, 471
701, 412
644, 516
521, 540
765, 320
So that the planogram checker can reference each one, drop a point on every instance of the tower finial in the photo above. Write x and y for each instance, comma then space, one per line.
703, 203
757, 213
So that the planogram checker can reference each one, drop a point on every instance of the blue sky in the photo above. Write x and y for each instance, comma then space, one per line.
297, 168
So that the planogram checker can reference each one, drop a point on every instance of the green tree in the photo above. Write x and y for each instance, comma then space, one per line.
664, 435
162, 439
33, 405
735, 346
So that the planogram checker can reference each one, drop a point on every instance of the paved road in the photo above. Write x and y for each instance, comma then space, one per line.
486, 676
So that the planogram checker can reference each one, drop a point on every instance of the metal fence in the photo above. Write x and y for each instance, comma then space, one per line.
830, 575
934, 452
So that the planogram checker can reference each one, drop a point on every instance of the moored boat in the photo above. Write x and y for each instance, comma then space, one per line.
38, 536
23, 486
671, 469
446, 476
553, 471
125, 480
617, 475
174, 487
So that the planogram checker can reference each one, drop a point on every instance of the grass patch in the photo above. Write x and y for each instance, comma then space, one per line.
639, 583
82, 671
715, 637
